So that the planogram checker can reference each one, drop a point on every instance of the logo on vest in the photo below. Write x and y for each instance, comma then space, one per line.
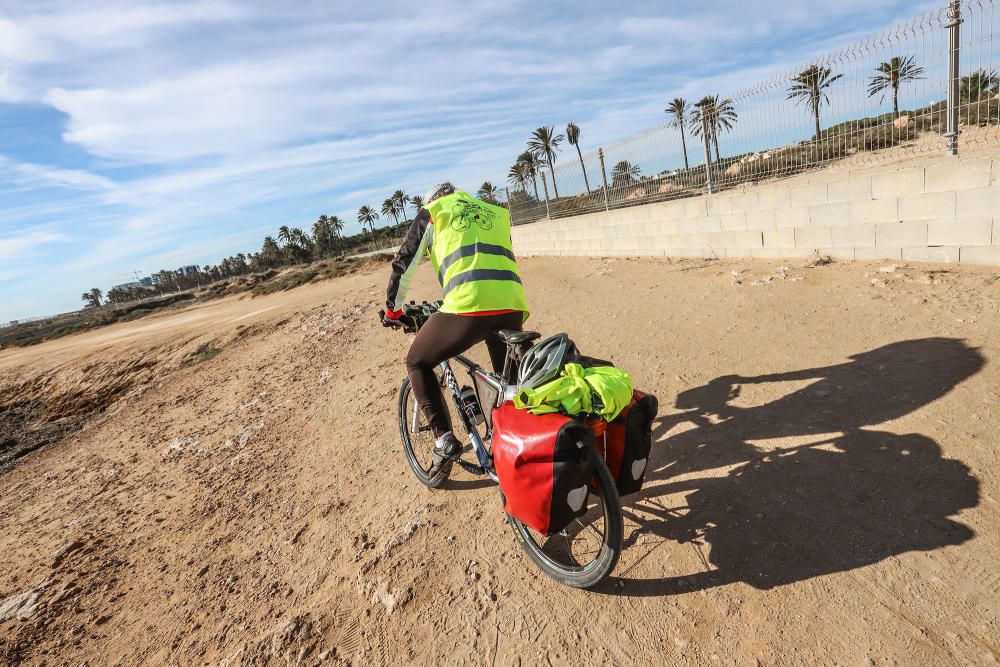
468, 212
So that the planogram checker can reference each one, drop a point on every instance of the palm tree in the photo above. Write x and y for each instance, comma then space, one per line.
321, 226
89, 300
333, 229
716, 115
336, 225
978, 86
890, 75
516, 175
300, 243
389, 208
488, 192
810, 86
573, 136
678, 110
270, 252
418, 202
531, 166
290, 250
285, 235
401, 207
400, 200
624, 173
976, 89
543, 144
322, 234
367, 216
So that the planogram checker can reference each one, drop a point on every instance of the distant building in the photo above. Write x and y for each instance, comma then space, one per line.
126, 286
27, 320
147, 281
154, 280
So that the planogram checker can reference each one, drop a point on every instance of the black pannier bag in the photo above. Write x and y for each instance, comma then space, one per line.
628, 440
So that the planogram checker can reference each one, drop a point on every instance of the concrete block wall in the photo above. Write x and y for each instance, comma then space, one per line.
936, 209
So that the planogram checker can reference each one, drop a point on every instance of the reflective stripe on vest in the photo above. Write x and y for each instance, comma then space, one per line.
480, 274
469, 251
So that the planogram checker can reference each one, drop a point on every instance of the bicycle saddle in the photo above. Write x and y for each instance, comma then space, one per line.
512, 337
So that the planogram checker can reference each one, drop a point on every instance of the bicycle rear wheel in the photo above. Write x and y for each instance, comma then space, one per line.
584, 553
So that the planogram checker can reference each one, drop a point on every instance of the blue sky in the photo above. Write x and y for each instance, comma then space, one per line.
145, 135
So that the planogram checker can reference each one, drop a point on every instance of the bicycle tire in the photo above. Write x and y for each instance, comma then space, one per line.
434, 482
597, 570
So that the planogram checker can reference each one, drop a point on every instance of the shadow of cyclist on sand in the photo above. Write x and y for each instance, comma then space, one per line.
850, 496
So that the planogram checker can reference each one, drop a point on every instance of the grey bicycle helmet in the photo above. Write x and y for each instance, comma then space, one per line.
438, 191
544, 361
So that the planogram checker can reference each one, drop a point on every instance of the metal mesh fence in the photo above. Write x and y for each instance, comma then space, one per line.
893, 95
979, 80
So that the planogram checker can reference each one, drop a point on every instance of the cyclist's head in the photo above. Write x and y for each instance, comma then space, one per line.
438, 191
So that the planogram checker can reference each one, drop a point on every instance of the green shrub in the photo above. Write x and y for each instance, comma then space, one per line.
286, 282
982, 113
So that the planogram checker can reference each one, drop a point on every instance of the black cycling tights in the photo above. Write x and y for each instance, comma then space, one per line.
441, 338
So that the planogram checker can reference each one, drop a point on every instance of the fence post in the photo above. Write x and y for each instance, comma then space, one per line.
708, 155
954, 44
545, 184
604, 175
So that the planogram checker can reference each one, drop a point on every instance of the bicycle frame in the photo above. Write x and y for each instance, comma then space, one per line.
483, 455
571, 573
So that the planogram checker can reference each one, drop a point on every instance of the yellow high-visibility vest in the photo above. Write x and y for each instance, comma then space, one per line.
471, 253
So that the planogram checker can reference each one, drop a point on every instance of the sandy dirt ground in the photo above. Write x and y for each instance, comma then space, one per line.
823, 488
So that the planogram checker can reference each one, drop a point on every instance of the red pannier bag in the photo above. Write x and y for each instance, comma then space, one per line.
544, 466
627, 442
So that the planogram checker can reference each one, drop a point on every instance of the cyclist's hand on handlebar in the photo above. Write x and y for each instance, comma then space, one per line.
398, 320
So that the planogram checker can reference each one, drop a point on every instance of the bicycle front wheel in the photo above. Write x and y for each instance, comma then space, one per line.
418, 440
584, 553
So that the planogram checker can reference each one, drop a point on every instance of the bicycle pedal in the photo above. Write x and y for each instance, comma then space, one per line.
471, 468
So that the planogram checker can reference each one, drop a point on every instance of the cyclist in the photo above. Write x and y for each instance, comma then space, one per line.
469, 245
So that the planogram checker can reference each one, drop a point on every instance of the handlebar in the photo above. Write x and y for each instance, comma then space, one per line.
421, 312
415, 315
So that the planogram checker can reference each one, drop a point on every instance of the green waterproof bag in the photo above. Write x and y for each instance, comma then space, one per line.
603, 390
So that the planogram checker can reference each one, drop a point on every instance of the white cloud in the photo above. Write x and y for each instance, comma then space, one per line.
18, 43
18, 246
9, 91
38, 36
36, 175
350, 73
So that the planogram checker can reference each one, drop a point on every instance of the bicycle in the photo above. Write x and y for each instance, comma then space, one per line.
561, 555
